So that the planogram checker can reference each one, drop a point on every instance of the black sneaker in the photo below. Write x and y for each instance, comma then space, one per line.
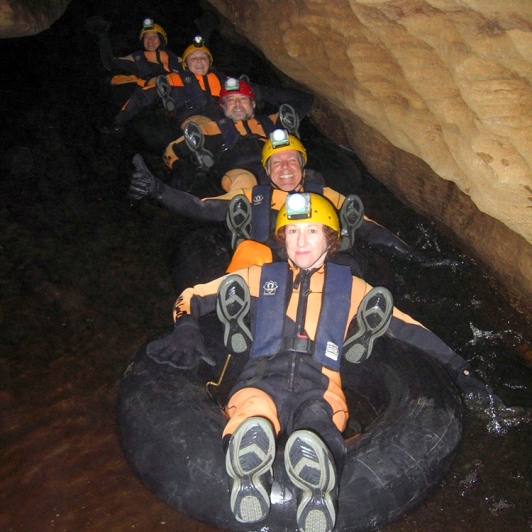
289, 119
351, 218
232, 306
373, 317
248, 462
163, 90
195, 140
310, 466
238, 219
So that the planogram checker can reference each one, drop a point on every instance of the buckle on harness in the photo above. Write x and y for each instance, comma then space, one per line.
298, 344
189, 105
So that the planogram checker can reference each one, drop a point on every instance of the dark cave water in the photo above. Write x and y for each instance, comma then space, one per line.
86, 277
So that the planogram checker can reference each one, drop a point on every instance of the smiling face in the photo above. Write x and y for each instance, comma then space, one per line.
306, 244
286, 170
151, 41
238, 107
198, 62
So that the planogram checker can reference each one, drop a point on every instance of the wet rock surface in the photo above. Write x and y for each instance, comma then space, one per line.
87, 277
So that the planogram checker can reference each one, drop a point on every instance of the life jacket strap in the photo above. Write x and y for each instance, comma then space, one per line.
298, 344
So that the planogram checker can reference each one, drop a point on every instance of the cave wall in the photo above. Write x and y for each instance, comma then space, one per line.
22, 18
435, 98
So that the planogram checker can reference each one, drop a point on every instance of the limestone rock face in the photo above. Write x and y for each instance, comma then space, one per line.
434, 96
21, 19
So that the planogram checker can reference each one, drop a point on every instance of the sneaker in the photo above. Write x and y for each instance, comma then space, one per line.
238, 219
163, 90
289, 119
373, 317
232, 307
310, 466
351, 218
248, 462
195, 140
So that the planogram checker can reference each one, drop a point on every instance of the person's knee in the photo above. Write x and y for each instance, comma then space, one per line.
248, 253
238, 179
250, 402
200, 120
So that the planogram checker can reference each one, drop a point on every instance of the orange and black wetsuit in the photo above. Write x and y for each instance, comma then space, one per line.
145, 67
142, 66
196, 96
293, 375
238, 164
237, 146
137, 67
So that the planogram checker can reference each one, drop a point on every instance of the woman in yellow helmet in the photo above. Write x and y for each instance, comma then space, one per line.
292, 319
192, 92
140, 66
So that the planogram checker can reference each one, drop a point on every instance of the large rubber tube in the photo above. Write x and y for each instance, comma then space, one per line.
170, 429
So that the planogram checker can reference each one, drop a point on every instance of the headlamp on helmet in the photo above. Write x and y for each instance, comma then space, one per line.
148, 24
198, 41
232, 84
298, 206
279, 138
236, 86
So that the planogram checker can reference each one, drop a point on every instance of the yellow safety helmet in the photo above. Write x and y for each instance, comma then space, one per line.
306, 207
280, 140
149, 25
198, 44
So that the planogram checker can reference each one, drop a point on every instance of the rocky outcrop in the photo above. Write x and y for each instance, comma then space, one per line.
435, 98
25, 17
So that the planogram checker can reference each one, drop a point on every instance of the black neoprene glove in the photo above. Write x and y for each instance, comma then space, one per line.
183, 348
475, 389
97, 25
143, 182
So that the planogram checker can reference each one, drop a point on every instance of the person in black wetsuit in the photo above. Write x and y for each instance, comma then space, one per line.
231, 147
292, 319
137, 68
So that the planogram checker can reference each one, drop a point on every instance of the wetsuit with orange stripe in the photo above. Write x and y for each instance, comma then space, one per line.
136, 70
237, 145
237, 162
196, 95
146, 93
292, 377
143, 65
137, 67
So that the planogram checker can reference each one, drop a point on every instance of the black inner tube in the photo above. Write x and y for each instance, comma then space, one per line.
170, 429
